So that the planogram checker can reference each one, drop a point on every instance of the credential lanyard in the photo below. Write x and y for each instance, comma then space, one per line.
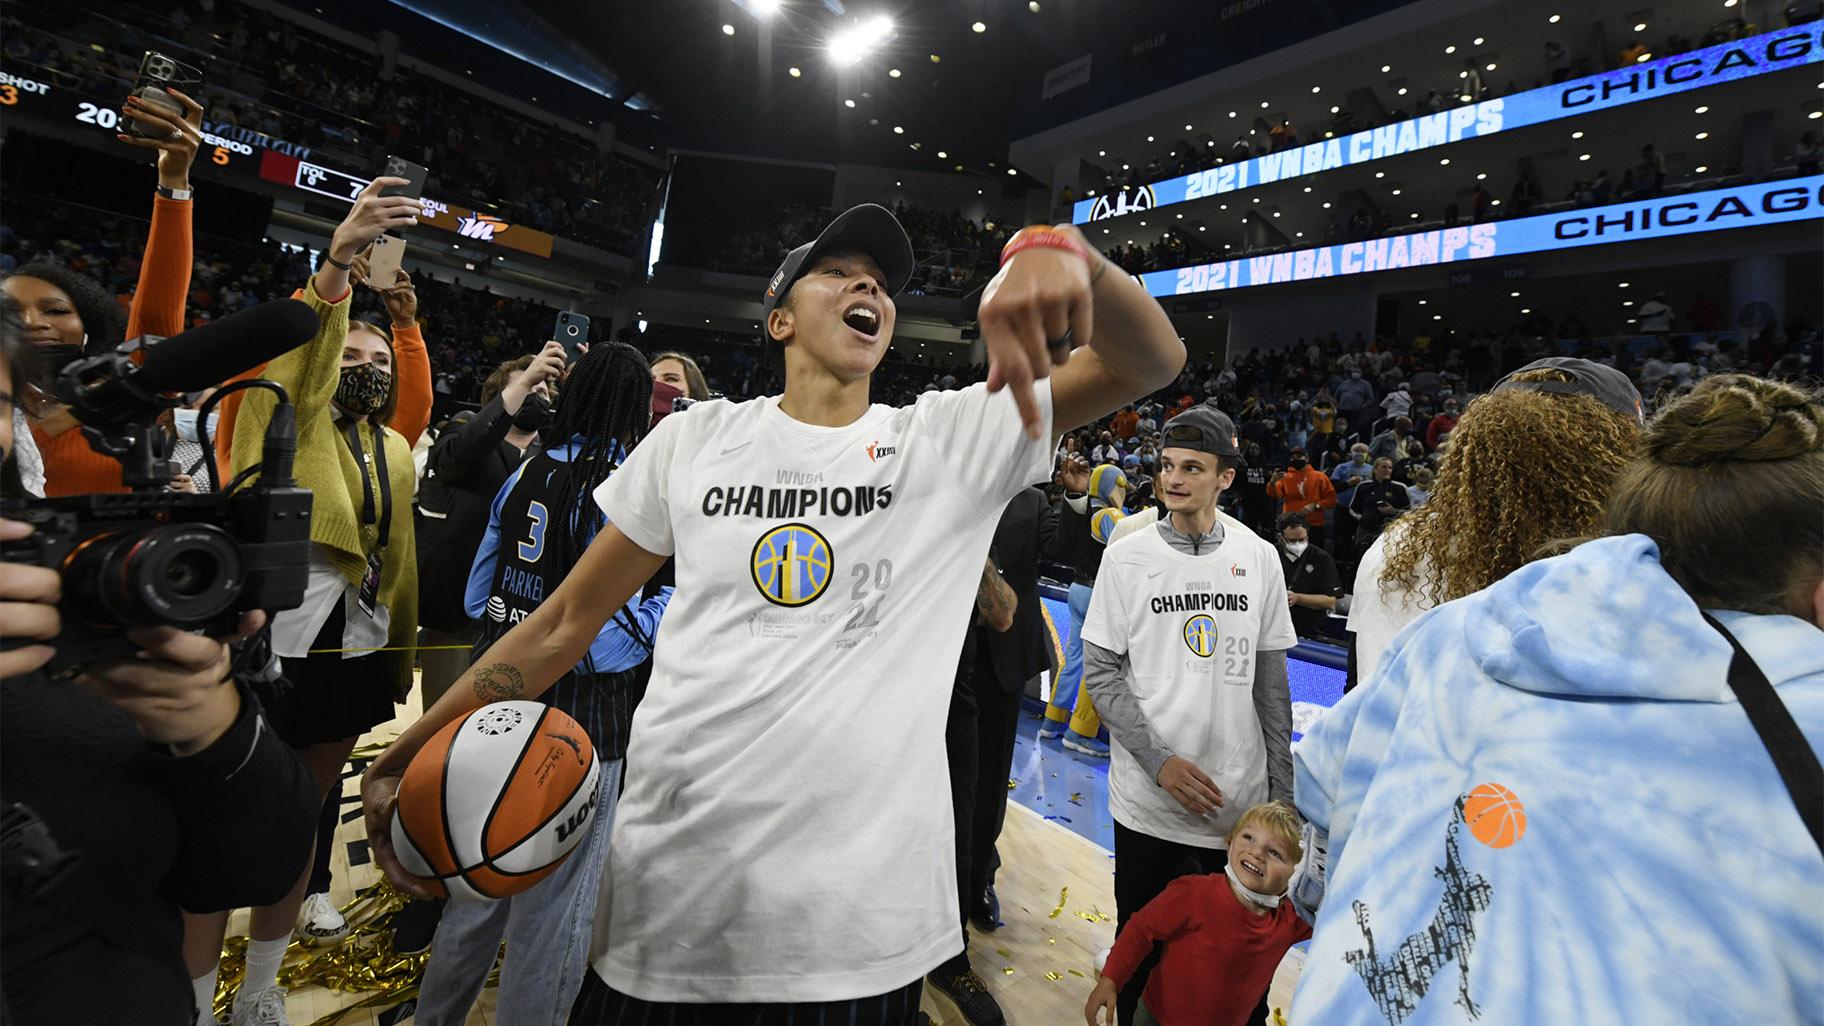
351, 431
1792, 754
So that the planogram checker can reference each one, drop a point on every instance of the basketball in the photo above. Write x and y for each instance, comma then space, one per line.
1495, 815
494, 802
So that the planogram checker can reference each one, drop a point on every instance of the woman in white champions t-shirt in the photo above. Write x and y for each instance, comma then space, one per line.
785, 836
1529, 463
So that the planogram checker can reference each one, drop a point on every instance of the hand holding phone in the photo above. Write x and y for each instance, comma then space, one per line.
572, 329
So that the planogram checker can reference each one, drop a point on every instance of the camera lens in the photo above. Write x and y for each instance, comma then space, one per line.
176, 574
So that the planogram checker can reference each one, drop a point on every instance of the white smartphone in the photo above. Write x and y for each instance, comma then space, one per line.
383, 260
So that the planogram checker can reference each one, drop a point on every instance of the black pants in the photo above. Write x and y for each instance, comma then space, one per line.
598, 1004
1144, 866
327, 820
997, 721
964, 751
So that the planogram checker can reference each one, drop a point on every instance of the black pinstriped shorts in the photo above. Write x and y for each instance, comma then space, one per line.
601, 1005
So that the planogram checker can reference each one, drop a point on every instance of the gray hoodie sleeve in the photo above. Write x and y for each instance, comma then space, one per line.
1273, 706
1107, 676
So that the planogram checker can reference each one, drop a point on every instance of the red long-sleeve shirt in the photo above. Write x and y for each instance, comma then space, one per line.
71, 467
1219, 956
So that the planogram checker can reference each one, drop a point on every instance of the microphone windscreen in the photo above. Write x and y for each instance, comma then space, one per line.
207, 356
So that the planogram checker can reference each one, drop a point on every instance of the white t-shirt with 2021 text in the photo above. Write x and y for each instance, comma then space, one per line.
786, 834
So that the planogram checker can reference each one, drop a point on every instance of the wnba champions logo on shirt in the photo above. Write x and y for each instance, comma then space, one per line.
1200, 635
792, 565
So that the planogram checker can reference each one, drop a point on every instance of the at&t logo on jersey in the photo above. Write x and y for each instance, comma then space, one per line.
1200, 636
792, 565
497, 609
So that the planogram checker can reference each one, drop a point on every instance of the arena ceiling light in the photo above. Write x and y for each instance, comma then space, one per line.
851, 44
978, 27
761, 9
1553, 20
1701, 110
727, 29
794, 72
892, 72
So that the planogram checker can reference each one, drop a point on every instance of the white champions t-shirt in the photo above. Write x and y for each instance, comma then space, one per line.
1191, 626
786, 830
1375, 615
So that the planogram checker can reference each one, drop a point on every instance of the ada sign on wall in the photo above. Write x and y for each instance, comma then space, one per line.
1727, 62
1795, 199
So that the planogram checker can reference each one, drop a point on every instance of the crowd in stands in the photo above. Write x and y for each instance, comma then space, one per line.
1329, 399
272, 75
468, 328
955, 254
1556, 63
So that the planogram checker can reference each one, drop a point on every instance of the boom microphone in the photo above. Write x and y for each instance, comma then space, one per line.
118, 401
203, 357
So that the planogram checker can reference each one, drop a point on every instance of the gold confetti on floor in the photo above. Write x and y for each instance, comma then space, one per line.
1011, 784
1007, 970
1054, 975
1063, 896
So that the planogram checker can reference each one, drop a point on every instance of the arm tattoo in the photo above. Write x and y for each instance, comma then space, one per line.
995, 599
499, 682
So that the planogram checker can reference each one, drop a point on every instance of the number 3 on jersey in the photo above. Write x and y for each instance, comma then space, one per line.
534, 544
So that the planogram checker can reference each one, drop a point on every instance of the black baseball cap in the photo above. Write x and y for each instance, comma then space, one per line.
1601, 382
1204, 429
868, 227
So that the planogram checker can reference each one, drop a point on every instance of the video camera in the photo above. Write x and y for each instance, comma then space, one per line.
152, 557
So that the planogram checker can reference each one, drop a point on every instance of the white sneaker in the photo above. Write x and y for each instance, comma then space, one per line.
319, 922
267, 1008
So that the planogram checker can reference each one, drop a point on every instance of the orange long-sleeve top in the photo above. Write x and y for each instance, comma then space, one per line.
411, 413
70, 466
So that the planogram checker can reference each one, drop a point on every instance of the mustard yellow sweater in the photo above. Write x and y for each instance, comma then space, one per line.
327, 467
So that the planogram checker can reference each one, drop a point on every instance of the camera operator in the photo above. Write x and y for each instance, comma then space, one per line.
347, 649
68, 315
143, 785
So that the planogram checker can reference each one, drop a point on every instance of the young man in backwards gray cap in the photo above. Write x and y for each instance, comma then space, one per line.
1185, 655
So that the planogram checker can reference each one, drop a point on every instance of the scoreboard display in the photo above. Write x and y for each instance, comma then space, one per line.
38, 100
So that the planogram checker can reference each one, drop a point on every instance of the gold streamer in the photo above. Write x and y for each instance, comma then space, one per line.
1063, 896
1007, 970
364, 961
1078, 973
1054, 976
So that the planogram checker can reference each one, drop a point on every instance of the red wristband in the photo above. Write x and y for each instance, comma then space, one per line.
1044, 236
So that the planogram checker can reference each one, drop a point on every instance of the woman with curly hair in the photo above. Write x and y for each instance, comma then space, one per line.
1530, 462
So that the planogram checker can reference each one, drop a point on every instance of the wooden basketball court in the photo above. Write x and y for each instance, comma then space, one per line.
1057, 901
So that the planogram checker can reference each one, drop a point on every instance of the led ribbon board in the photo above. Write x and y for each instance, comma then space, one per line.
1747, 206
1764, 54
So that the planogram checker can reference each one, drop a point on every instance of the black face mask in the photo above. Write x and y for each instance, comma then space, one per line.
1300, 464
55, 358
534, 414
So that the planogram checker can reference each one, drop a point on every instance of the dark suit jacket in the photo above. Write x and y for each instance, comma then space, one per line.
1021, 652
466, 466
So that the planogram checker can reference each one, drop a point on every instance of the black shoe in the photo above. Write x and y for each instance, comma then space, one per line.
414, 925
959, 983
987, 911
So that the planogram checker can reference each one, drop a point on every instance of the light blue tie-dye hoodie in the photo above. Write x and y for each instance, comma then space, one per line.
1654, 872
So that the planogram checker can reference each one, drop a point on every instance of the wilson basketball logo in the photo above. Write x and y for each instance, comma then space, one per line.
1495, 815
